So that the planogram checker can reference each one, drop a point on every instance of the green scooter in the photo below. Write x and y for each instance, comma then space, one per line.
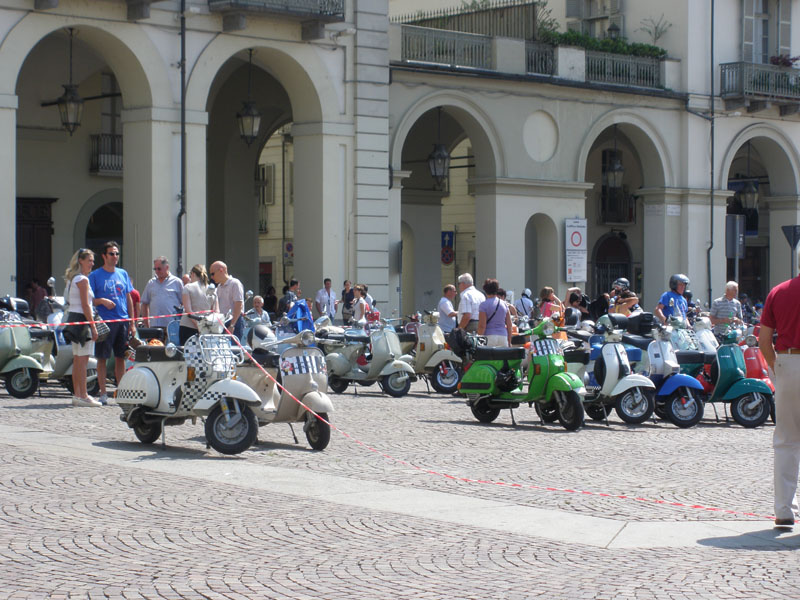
495, 381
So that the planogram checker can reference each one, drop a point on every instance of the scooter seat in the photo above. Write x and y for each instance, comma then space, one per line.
266, 359
39, 334
579, 334
639, 341
151, 333
577, 356
406, 337
362, 339
709, 358
484, 353
690, 357
519, 340
145, 353
333, 337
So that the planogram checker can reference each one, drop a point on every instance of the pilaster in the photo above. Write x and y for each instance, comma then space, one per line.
8, 191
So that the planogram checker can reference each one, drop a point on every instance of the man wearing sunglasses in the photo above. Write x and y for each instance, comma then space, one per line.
112, 296
162, 294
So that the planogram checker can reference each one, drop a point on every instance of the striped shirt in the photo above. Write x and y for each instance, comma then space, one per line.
725, 308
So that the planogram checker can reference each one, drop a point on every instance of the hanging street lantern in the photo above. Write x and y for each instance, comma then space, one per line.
439, 158
70, 107
615, 171
248, 117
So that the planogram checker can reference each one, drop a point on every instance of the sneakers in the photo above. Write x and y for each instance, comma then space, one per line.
103, 399
784, 524
85, 401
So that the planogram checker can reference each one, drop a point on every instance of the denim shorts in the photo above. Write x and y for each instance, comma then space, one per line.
117, 341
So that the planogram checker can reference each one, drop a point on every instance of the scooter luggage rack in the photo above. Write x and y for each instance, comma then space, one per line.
545, 347
217, 351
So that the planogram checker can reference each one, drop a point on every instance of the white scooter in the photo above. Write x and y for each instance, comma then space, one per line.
168, 385
432, 359
348, 360
300, 369
609, 379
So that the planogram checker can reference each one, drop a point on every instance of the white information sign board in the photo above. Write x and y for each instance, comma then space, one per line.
576, 250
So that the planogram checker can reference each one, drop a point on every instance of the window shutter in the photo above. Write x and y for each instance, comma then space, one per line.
785, 27
748, 29
574, 9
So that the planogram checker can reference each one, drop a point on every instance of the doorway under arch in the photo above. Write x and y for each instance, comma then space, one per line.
611, 260
541, 255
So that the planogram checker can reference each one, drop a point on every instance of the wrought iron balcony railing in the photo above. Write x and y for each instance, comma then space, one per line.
106, 158
326, 10
760, 82
451, 48
636, 71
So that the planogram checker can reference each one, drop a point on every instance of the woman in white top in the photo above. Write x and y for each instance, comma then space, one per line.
360, 307
194, 299
79, 297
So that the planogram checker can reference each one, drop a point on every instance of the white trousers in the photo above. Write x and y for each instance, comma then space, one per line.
497, 341
786, 439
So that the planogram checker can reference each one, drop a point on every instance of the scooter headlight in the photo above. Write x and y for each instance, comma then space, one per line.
549, 328
170, 350
751, 340
307, 338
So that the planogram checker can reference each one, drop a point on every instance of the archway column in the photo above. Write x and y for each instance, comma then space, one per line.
194, 223
322, 211
151, 182
677, 232
783, 210
503, 207
8, 190
396, 293
422, 212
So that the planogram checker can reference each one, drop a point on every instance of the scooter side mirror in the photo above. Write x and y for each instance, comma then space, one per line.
248, 294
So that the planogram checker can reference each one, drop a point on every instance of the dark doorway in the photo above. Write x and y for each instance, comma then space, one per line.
34, 234
752, 266
105, 225
612, 259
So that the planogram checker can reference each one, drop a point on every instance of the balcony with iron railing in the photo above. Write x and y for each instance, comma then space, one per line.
328, 10
756, 86
106, 155
442, 47
620, 69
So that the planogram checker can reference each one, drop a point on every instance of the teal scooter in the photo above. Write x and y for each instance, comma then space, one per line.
724, 381
495, 381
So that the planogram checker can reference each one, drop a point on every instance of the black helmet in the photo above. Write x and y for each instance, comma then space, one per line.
676, 279
622, 283
687, 293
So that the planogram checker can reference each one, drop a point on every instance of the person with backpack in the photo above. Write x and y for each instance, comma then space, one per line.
524, 304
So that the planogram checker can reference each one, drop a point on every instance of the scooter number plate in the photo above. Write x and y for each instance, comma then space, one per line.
299, 365
545, 347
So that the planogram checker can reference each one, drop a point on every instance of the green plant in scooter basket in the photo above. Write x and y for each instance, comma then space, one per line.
495, 380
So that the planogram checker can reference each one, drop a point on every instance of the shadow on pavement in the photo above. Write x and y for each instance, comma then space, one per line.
766, 539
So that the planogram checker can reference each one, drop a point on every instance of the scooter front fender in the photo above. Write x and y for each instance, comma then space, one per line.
21, 362
398, 365
442, 355
631, 381
564, 382
747, 386
227, 388
318, 402
673, 382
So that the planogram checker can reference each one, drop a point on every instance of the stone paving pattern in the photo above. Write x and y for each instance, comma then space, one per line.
73, 529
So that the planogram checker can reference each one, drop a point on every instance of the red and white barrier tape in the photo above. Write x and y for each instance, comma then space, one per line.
125, 320
490, 482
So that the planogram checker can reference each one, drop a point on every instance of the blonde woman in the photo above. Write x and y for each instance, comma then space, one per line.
195, 299
79, 296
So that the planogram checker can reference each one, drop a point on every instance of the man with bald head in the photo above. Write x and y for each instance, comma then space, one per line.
230, 296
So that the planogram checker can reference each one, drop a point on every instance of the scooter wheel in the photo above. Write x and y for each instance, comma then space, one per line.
318, 433
597, 411
227, 439
636, 405
548, 413
751, 410
446, 377
483, 412
396, 384
22, 383
337, 385
147, 433
570, 410
684, 408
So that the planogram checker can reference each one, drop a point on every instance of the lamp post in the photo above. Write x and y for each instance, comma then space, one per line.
613, 31
439, 158
248, 117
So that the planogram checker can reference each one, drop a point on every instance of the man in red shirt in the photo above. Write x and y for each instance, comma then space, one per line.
781, 315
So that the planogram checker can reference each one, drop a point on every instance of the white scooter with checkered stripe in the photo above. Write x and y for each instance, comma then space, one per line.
168, 385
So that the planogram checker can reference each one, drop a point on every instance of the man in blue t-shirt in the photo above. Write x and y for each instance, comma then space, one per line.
112, 296
672, 303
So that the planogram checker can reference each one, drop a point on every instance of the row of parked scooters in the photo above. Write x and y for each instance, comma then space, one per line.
632, 365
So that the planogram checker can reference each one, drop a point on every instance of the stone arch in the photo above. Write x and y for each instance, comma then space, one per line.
301, 74
475, 122
89, 208
612, 258
137, 65
778, 155
541, 236
653, 152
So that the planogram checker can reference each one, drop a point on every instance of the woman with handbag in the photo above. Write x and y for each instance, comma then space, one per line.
79, 297
494, 318
195, 298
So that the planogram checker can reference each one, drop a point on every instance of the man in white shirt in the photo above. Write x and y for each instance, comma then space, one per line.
230, 296
447, 314
326, 301
470, 301
162, 294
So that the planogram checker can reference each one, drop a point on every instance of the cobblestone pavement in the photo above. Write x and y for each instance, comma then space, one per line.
77, 527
